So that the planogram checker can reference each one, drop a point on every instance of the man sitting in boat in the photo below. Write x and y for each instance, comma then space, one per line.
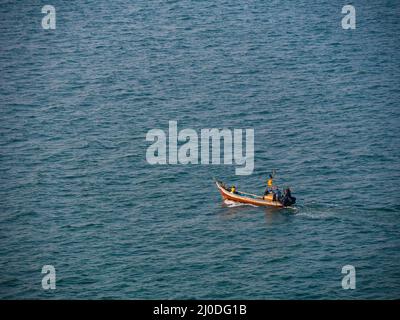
288, 199
277, 194
233, 189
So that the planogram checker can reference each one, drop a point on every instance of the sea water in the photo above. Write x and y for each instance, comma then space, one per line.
78, 194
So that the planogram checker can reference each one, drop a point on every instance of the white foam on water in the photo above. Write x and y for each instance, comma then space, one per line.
313, 210
233, 204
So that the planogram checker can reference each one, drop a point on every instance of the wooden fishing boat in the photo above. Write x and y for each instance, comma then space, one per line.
249, 198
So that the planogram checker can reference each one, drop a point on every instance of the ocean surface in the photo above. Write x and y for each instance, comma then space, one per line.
76, 191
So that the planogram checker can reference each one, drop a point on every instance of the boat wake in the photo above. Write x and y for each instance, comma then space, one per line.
314, 210
234, 204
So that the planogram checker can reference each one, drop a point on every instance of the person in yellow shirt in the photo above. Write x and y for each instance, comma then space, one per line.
233, 189
270, 181
270, 184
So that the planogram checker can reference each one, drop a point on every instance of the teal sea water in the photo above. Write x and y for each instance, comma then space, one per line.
76, 191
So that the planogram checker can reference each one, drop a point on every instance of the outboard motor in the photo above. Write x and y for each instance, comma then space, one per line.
287, 199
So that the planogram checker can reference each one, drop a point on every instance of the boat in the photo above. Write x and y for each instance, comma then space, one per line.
249, 198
